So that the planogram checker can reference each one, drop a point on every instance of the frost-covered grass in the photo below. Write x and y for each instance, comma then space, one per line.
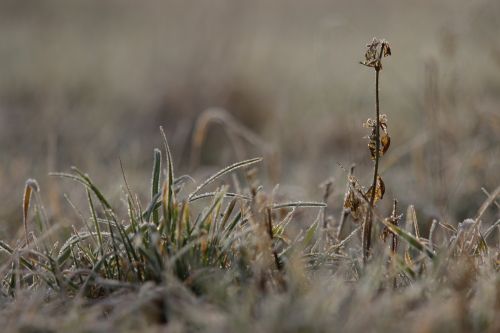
210, 258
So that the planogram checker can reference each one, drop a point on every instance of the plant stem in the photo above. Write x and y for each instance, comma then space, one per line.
367, 225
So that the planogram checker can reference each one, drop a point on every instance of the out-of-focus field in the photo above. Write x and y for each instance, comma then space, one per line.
88, 82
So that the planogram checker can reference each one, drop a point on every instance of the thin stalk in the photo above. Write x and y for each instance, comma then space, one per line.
367, 225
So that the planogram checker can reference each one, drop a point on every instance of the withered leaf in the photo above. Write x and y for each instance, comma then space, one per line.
383, 121
369, 123
373, 147
371, 58
351, 202
371, 63
385, 142
371, 52
386, 49
354, 204
379, 190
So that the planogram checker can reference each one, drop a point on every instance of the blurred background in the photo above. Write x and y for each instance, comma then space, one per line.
87, 82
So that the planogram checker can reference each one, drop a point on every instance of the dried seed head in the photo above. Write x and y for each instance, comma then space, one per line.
376, 50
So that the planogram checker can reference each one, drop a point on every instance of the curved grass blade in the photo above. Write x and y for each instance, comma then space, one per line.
224, 171
84, 180
31, 185
94, 188
227, 195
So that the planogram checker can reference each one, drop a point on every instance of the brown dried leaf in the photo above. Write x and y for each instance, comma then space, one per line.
385, 143
373, 147
379, 190
371, 63
31, 186
383, 122
371, 57
354, 204
359, 214
386, 49
385, 140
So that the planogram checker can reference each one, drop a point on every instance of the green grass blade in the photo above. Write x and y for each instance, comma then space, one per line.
168, 196
224, 171
409, 238
155, 182
152, 207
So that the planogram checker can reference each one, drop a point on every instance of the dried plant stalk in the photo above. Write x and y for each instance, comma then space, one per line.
377, 49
